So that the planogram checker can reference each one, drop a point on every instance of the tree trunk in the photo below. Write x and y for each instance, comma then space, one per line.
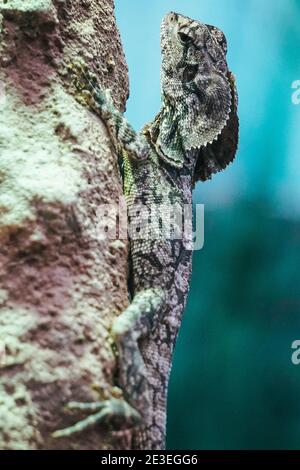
61, 282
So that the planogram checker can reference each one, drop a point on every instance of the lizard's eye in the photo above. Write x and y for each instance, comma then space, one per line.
184, 38
173, 17
190, 72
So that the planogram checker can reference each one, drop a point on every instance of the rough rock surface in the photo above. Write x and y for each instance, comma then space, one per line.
61, 283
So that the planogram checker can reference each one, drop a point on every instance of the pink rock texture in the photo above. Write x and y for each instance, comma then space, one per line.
61, 282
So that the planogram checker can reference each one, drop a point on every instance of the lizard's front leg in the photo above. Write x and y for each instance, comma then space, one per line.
100, 101
133, 324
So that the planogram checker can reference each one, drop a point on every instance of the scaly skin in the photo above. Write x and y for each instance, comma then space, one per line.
194, 135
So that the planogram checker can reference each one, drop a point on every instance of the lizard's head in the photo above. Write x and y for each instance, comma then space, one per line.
199, 95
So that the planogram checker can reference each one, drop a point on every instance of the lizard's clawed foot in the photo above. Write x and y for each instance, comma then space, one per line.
88, 89
82, 77
115, 411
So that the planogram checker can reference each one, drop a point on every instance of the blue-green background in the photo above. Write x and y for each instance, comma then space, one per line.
233, 385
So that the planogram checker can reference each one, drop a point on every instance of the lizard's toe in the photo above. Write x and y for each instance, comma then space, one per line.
115, 412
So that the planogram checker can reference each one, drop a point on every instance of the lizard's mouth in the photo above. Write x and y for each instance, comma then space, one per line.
169, 25
168, 54
163, 33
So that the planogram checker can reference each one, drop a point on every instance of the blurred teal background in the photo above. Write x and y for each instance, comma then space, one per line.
233, 385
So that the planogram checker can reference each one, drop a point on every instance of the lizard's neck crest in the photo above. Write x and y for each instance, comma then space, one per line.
206, 131
194, 115
205, 111
164, 135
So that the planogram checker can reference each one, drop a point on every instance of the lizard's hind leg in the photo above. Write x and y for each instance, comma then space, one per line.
133, 406
133, 324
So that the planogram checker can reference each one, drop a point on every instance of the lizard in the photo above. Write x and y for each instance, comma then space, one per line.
194, 135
